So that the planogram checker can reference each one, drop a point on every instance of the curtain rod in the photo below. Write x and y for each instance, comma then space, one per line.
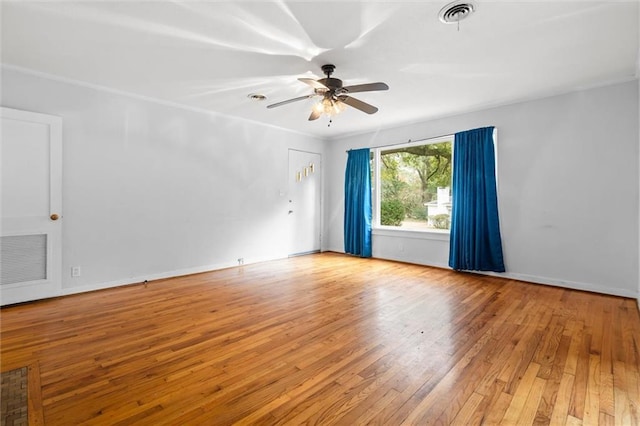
408, 141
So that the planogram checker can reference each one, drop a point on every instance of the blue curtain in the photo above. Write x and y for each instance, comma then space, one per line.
357, 204
475, 242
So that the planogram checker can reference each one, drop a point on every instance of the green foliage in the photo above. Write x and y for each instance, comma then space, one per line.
392, 213
391, 184
440, 221
418, 212
412, 175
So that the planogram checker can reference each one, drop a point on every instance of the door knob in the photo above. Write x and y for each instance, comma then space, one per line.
290, 211
55, 216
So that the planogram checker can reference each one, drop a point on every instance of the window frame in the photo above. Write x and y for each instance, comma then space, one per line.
379, 229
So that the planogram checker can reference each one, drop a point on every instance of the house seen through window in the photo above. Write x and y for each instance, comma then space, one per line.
412, 185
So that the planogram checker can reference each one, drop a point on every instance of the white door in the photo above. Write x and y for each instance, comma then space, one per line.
305, 187
31, 206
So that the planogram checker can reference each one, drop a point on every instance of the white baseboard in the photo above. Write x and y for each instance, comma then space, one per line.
591, 287
159, 276
594, 288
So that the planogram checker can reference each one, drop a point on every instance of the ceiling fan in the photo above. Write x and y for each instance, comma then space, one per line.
334, 96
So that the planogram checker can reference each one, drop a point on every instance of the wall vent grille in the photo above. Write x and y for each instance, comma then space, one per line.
23, 258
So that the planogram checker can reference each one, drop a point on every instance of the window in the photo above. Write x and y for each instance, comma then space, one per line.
412, 185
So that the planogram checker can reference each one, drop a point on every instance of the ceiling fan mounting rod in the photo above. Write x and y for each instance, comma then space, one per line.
328, 69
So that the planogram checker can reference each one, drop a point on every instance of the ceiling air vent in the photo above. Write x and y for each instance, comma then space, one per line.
256, 96
455, 12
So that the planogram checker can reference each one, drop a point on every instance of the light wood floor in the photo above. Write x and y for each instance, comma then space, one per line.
330, 339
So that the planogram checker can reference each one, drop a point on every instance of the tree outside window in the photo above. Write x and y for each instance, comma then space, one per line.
415, 186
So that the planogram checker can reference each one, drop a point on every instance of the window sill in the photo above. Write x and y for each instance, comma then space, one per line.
388, 231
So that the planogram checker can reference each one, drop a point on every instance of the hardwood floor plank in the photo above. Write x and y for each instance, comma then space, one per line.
520, 359
34, 396
606, 362
578, 395
606, 420
329, 339
546, 350
573, 421
371, 414
592, 397
563, 400
422, 412
496, 411
412, 381
553, 384
576, 333
501, 352
465, 414
623, 404
520, 395
530, 408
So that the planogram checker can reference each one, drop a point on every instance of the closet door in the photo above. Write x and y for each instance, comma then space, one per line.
31, 206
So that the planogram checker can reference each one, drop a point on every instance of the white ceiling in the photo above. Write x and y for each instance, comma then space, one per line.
211, 54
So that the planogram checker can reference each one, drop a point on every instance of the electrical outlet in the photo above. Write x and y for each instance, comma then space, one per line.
76, 271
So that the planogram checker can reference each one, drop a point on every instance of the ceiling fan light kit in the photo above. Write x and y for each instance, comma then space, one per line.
329, 106
335, 97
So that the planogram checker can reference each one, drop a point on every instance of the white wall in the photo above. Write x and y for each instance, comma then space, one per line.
152, 190
560, 160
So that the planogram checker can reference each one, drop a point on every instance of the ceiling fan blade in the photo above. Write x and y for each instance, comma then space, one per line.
369, 87
315, 114
358, 104
288, 101
313, 83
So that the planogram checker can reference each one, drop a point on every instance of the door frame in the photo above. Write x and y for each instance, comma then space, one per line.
52, 285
